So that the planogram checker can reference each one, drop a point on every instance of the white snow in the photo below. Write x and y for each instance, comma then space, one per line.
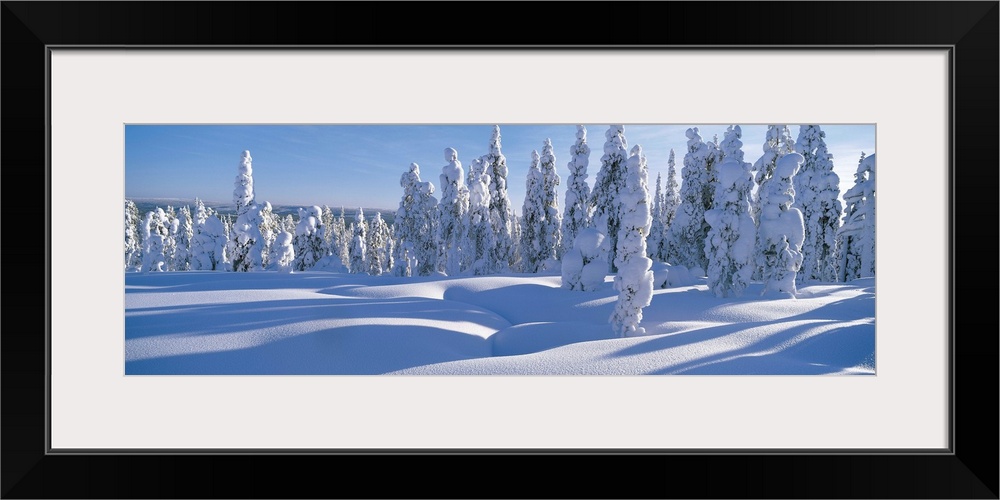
204, 322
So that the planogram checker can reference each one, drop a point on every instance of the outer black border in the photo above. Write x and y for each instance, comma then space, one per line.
970, 27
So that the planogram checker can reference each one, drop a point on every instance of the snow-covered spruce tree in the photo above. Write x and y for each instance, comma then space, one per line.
359, 244
479, 241
416, 226
576, 216
308, 240
819, 203
282, 256
454, 208
182, 231
246, 247
343, 236
133, 242
780, 230
671, 195
516, 231
610, 182
155, 233
380, 245
208, 246
502, 221
551, 234
777, 143
243, 196
656, 244
583, 267
856, 238
269, 228
732, 147
170, 241
532, 218
730, 242
689, 229
245, 241
634, 280
328, 234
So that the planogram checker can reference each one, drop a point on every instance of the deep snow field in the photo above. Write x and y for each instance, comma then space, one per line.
269, 323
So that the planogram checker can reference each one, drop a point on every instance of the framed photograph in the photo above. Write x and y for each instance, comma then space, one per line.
114, 384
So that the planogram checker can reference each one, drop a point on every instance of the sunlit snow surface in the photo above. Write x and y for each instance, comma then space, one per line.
271, 323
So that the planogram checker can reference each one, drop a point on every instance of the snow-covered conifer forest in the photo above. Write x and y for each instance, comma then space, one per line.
614, 263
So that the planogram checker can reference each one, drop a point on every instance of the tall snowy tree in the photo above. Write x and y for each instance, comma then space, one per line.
246, 244
730, 242
780, 230
634, 280
416, 226
380, 245
671, 196
689, 229
532, 218
308, 240
777, 143
454, 208
329, 231
359, 245
170, 241
270, 226
133, 241
856, 238
343, 236
732, 147
551, 230
501, 212
576, 215
610, 182
656, 243
182, 231
817, 193
243, 196
479, 240
155, 233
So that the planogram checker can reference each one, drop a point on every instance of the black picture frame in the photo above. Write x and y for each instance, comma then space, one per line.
970, 470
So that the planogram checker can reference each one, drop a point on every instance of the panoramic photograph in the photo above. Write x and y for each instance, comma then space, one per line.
499, 249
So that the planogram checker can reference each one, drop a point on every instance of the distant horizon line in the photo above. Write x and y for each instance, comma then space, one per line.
154, 199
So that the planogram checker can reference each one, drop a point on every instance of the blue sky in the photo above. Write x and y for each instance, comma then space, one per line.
360, 165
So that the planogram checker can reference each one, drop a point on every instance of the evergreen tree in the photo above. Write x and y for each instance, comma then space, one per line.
479, 240
609, 183
671, 197
551, 229
780, 229
415, 226
155, 232
634, 280
817, 193
282, 256
454, 208
170, 241
329, 231
344, 236
359, 244
777, 143
656, 244
243, 196
730, 243
208, 245
380, 246
308, 243
246, 247
133, 242
183, 234
856, 238
501, 212
270, 226
532, 218
689, 228
577, 212
288, 224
